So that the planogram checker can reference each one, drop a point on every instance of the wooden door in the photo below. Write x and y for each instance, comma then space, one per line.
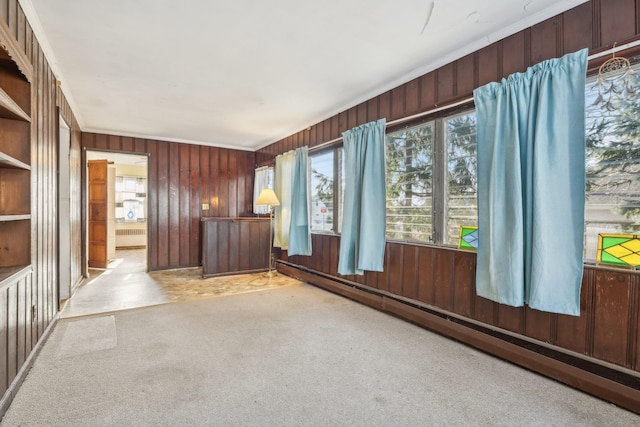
98, 198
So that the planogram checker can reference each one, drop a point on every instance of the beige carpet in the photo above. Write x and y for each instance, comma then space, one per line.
292, 356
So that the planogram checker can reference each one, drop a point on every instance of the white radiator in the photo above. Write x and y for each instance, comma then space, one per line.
127, 237
131, 232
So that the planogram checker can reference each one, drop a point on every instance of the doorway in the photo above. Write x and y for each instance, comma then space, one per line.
117, 207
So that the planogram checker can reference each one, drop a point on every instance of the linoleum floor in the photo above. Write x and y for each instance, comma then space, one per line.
125, 284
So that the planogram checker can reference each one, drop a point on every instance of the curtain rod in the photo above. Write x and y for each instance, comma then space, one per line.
468, 100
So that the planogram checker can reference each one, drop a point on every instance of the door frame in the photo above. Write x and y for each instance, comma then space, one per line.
85, 202
63, 225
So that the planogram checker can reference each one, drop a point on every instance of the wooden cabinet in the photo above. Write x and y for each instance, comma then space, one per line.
15, 170
234, 245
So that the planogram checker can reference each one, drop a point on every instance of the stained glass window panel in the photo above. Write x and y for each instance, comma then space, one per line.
468, 238
619, 249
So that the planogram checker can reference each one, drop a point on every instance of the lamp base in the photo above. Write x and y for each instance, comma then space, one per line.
270, 274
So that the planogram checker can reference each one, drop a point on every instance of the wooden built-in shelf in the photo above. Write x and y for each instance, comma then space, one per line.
10, 110
10, 274
4, 218
6, 161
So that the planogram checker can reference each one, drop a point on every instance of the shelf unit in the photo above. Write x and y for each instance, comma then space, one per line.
15, 171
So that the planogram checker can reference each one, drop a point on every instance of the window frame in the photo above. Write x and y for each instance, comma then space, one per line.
337, 189
439, 177
420, 124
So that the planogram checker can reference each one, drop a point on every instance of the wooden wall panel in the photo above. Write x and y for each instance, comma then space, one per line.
152, 202
425, 275
397, 103
538, 325
4, 321
465, 74
12, 332
574, 332
371, 279
214, 193
181, 177
184, 205
515, 54
412, 97
174, 208
373, 110
409, 271
445, 83
612, 308
577, 28
195, 250
427, 91
443, 278
510, 318
545, 40
162, 214
352, 117
464, 283
618, 21
395, 259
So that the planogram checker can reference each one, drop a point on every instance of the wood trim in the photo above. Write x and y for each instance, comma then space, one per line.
10, 44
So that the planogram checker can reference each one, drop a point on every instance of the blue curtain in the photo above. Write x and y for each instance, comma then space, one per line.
364, 212
531, 186
300, 228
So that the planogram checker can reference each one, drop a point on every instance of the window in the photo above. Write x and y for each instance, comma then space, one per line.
612, 158
322, 191
431, 174
462, 175
409, 157
263, 179
130, 199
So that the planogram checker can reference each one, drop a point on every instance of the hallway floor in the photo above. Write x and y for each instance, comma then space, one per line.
125, 284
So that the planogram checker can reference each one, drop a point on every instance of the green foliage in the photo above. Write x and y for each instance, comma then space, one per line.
613, 143
409, 157
461, 152
410, 177
324, 186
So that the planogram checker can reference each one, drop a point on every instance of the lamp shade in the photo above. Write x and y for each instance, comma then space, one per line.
267, 197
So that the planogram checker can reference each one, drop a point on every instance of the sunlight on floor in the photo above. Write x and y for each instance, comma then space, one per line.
125, 284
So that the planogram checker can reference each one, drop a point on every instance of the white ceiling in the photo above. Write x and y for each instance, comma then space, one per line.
246, 73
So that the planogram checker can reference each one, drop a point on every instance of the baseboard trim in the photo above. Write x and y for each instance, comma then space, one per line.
11, 392
617, 385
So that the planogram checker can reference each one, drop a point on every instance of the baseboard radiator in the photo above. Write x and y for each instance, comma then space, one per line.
131, 237
590, 375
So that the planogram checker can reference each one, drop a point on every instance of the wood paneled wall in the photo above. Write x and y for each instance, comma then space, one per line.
607, 328
181, 177
29, 306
